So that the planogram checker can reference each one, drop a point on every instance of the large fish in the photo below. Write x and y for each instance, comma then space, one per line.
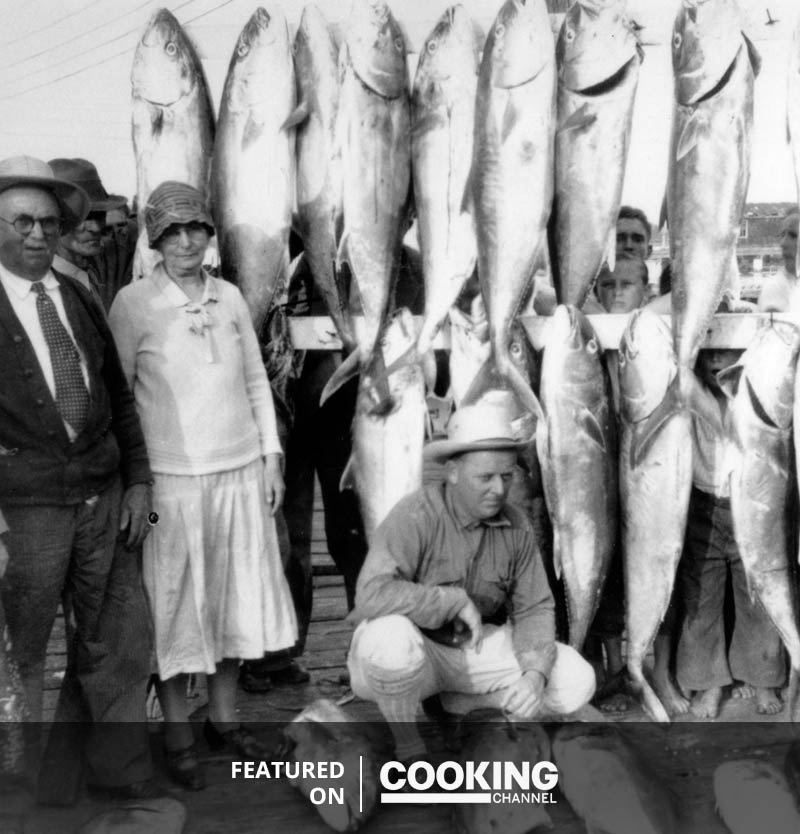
323, 732
598, 58
442, 123
654, 494
715, 67
763, 408
319, 164
512, 171
490, 738
173, 119
386, 462
753, 797
374, 130
576, 446
609, 786
793, 113
253, 171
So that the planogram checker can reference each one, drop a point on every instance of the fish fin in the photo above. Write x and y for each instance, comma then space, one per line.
729, 378
754, 55
252, 131
592, 427
689, 136
663, 219
581, 118
156, 121
297, 116
348, 479
350, 368
342, 253
510, 117
646, 432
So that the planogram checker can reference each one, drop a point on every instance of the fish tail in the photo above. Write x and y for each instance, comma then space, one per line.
642, 689
521, 386
350, 368
792, 700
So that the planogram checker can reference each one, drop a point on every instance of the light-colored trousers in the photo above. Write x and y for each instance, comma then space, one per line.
393, 664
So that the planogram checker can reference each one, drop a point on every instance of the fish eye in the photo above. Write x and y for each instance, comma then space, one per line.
171, 49
399, 45
591, 346
677, 40
499, 30
243, 49
432, 46
569, 35
515, 348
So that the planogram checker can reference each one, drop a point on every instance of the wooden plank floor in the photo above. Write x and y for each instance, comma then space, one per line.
681, 754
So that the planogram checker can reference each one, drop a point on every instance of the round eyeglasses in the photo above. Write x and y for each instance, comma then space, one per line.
23, 224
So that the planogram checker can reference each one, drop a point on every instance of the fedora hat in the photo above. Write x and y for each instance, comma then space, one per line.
18, 171
82, 173
483, 427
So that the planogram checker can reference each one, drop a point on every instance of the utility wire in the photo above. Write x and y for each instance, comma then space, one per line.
50, 25
57, 46
104, 60
82, 35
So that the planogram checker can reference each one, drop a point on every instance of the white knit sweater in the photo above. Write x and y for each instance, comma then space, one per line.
197, 375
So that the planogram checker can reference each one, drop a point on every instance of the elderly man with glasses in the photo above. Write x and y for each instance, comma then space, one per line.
74, 480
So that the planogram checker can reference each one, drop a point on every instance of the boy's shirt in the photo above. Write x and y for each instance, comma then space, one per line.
714, 452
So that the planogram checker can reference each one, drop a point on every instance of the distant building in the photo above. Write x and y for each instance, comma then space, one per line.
758, 250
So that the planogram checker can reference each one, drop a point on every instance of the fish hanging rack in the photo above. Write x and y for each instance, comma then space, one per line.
728, 330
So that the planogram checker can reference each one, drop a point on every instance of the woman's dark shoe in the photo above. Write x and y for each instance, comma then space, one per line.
239, 740
185, 768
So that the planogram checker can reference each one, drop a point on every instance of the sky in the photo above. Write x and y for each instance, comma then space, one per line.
65, 79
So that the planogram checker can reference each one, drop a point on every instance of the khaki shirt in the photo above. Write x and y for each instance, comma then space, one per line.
426, 559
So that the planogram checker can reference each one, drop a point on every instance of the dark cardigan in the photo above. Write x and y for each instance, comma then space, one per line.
38, 463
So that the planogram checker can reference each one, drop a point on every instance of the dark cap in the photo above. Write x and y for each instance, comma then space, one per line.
82, 173
174, 203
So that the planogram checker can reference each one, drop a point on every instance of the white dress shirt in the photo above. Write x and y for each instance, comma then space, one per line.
23, 302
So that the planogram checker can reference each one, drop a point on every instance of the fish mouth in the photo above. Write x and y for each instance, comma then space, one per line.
613, 81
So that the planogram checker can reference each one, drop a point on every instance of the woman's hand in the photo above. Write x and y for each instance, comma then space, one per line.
273, 482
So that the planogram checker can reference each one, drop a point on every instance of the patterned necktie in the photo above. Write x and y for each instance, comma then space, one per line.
72, 398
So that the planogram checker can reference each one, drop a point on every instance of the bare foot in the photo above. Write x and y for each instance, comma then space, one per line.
669, 695
743, 692
768, 702
705, 702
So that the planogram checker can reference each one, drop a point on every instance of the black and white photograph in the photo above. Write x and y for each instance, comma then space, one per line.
397, 416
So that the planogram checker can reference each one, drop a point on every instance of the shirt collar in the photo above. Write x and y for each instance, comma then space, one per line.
22, 287
466, 521
175, 295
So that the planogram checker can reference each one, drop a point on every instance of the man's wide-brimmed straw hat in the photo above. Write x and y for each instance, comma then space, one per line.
82, 173
21, 171
483, 427
174, 203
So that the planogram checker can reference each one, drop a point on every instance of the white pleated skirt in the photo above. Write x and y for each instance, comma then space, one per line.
213, 574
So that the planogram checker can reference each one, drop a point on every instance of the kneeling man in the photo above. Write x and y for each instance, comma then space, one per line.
454, 599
